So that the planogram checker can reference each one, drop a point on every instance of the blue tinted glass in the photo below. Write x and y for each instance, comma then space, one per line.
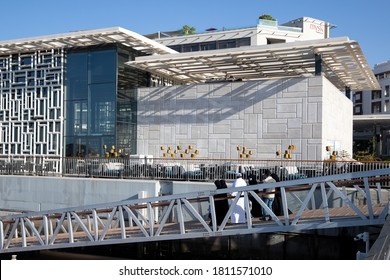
102, 67
77, 80
103, 108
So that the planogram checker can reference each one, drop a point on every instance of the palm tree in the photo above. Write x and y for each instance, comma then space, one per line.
187, 30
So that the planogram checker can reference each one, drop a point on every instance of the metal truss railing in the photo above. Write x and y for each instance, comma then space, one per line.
210, 169
353, 199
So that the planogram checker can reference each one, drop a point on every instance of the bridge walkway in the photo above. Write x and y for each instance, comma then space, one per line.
344, 200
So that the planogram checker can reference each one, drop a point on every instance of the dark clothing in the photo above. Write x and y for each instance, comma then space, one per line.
277, 206
256, 207
221, 202
252, 179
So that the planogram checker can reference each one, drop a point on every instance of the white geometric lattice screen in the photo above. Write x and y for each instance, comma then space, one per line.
31, 103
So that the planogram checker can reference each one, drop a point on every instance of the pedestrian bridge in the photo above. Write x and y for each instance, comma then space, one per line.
343, 200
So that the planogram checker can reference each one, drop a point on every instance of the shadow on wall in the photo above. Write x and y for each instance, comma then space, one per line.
218, 101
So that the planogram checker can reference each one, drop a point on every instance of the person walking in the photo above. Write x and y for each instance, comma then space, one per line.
221, 203
269, 194
256, 209
238, 214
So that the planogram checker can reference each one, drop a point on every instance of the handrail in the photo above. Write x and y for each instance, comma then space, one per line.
194, 169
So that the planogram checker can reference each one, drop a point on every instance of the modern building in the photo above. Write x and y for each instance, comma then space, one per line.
266, 32
70, 94
372, 114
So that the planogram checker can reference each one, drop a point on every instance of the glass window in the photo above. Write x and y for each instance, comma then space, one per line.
77, 80
20, 79
101, 101
387, 91
91, 96
80, 117
376, 94
102, 68
226, 44
243, 42
357, 96
386, 108
208, 46
376, 107
103, 108
176, 48
26, 60
191, 48
358, 110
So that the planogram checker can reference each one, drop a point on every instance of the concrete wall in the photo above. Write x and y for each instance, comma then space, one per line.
27, 193
264, 116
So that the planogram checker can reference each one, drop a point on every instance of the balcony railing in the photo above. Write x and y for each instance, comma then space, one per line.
180, 169
274, 24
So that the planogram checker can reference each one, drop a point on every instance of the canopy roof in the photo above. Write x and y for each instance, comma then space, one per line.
344, 63
85, 38
370, 121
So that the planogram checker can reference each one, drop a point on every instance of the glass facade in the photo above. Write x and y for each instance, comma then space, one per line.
213, 45
100, 102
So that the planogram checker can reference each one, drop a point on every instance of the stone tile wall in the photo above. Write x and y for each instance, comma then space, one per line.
264, 116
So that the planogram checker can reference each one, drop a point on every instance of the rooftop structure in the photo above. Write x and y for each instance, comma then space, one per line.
265, 32
85, 38
341, 59
297, 48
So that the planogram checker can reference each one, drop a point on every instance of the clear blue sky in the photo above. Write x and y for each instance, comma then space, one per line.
362, 20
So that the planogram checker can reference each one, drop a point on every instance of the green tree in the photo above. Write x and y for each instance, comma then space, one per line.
187, 30
267, 17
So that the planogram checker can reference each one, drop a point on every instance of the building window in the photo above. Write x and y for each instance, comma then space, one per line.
208, 46
243, 42
213, 45
91, 101
376, 107
227, 44
358, 110
357, 97
191, 48
386, 93
386, 106
176, 48
376, 94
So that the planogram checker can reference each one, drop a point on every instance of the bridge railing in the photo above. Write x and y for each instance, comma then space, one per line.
342, 200
30, 165
180, 169
210, 169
